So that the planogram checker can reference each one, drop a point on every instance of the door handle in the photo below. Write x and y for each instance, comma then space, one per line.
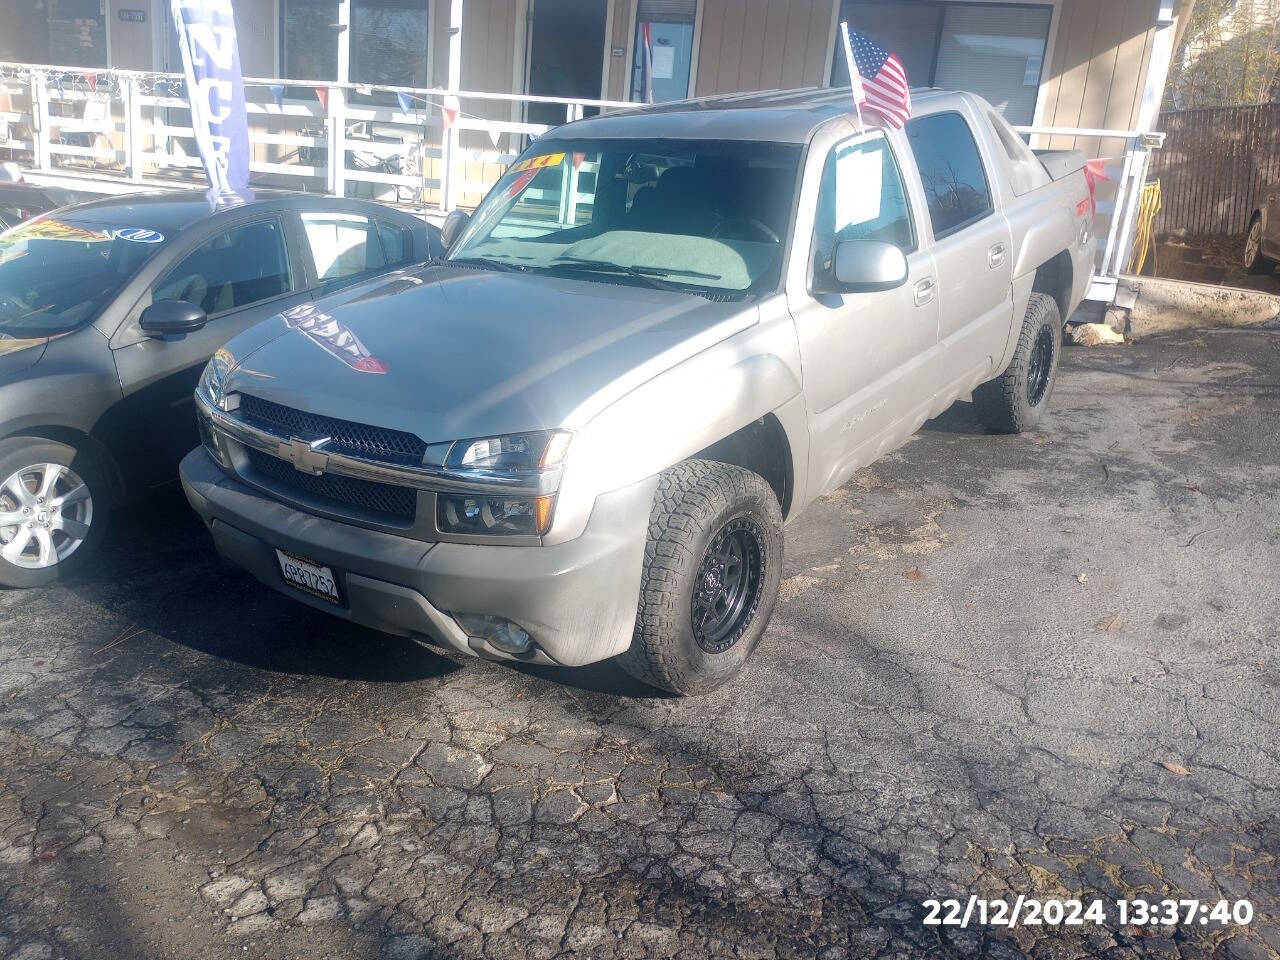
924, 291
995, 256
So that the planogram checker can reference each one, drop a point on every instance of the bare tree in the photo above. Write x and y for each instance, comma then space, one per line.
1229, 55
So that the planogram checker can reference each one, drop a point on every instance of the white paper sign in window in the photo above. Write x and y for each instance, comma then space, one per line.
664, 62
859, 173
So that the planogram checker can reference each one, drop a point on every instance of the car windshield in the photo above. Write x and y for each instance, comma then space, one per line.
702, 216
56, 274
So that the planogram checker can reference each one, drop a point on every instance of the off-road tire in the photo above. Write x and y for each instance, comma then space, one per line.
1007, 404
696, 501
1254, 262
19, 452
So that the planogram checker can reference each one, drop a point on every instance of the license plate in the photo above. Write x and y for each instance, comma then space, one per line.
309, 577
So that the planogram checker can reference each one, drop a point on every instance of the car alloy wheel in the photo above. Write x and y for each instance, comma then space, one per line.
726, 591
1253, 243
45, 514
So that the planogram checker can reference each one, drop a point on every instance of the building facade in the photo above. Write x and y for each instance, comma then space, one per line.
1056, 63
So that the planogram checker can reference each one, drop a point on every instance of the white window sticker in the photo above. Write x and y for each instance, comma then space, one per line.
140, 235
858, 183
664, 62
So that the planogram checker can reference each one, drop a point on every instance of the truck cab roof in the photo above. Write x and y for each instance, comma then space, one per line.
781, 116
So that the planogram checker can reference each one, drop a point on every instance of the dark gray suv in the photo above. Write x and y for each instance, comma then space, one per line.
108, 312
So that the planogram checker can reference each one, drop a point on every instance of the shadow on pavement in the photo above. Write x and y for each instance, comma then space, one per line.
182, 591
958, 419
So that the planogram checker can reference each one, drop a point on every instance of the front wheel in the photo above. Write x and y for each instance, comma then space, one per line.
1015, 401
712, 566
53, 510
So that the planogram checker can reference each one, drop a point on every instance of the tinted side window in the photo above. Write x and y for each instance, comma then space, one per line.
955, 182
342, 244
397, 243
861, 198
234, 269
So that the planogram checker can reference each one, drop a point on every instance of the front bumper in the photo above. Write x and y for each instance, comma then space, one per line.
576, 599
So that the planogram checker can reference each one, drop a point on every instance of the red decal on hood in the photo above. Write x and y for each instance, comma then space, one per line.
333, 337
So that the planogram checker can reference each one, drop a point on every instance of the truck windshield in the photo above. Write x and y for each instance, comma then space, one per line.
702, 216
55, 274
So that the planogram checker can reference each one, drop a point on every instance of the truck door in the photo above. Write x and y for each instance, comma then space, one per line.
971, 248
865, 356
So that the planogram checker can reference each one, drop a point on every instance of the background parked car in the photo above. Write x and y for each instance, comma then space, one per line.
1262, 246
22, 201
108, 312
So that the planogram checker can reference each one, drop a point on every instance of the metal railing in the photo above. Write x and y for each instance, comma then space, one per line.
126, 130
1119, 208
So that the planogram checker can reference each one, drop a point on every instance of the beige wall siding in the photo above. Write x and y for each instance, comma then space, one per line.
1098, 69
130, 42
624, 15
488, 43
762, 44
257, 32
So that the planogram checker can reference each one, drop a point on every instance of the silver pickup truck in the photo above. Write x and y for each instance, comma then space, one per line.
660, 336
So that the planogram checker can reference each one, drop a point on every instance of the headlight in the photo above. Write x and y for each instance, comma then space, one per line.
209, 388
514, 455
532, 458
494, 516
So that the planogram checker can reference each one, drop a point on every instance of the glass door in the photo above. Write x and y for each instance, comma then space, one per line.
566, 54
663, 53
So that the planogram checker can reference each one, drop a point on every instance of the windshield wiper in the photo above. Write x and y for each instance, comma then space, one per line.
503, 265
650, 276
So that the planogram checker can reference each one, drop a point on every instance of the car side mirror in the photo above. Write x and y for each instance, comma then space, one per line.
167, 318
453, 226
863, 266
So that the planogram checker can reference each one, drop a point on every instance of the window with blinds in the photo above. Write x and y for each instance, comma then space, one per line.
995, 50
664, 55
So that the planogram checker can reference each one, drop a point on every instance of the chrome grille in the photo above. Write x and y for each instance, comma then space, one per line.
383, 502
345, 436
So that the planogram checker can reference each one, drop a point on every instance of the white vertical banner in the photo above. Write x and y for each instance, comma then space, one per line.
215, 95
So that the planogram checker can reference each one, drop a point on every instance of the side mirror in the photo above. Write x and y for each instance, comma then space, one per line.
453, 226
863, 266
167, 318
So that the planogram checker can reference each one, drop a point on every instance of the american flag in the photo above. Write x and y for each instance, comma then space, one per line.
884, 81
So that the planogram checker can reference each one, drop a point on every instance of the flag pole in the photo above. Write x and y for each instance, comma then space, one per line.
855, 78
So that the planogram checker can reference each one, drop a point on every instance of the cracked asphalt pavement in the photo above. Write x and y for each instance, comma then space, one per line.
191, 765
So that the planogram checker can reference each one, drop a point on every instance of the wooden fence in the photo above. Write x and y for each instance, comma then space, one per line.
1216, 167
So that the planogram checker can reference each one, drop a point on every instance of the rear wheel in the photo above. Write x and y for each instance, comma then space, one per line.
1015, 401
53, 510
713, 563
1254, 261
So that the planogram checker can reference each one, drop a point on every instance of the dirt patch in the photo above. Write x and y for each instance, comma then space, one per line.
1184, 258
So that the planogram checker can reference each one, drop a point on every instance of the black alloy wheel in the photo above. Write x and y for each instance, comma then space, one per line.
1040, 367
727, 588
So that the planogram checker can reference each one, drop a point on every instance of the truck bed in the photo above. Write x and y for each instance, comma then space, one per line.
1061, 163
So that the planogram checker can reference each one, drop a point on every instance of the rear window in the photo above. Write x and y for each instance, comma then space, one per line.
955, 181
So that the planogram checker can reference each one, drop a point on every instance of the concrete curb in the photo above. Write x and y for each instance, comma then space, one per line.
1156, 305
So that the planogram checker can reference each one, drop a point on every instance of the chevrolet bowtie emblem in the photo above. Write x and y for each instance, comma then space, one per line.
305, 455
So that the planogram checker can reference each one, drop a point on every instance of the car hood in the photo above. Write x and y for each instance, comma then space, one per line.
451, 353
17, 355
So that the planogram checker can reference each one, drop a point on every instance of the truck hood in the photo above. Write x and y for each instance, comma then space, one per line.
452, 353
